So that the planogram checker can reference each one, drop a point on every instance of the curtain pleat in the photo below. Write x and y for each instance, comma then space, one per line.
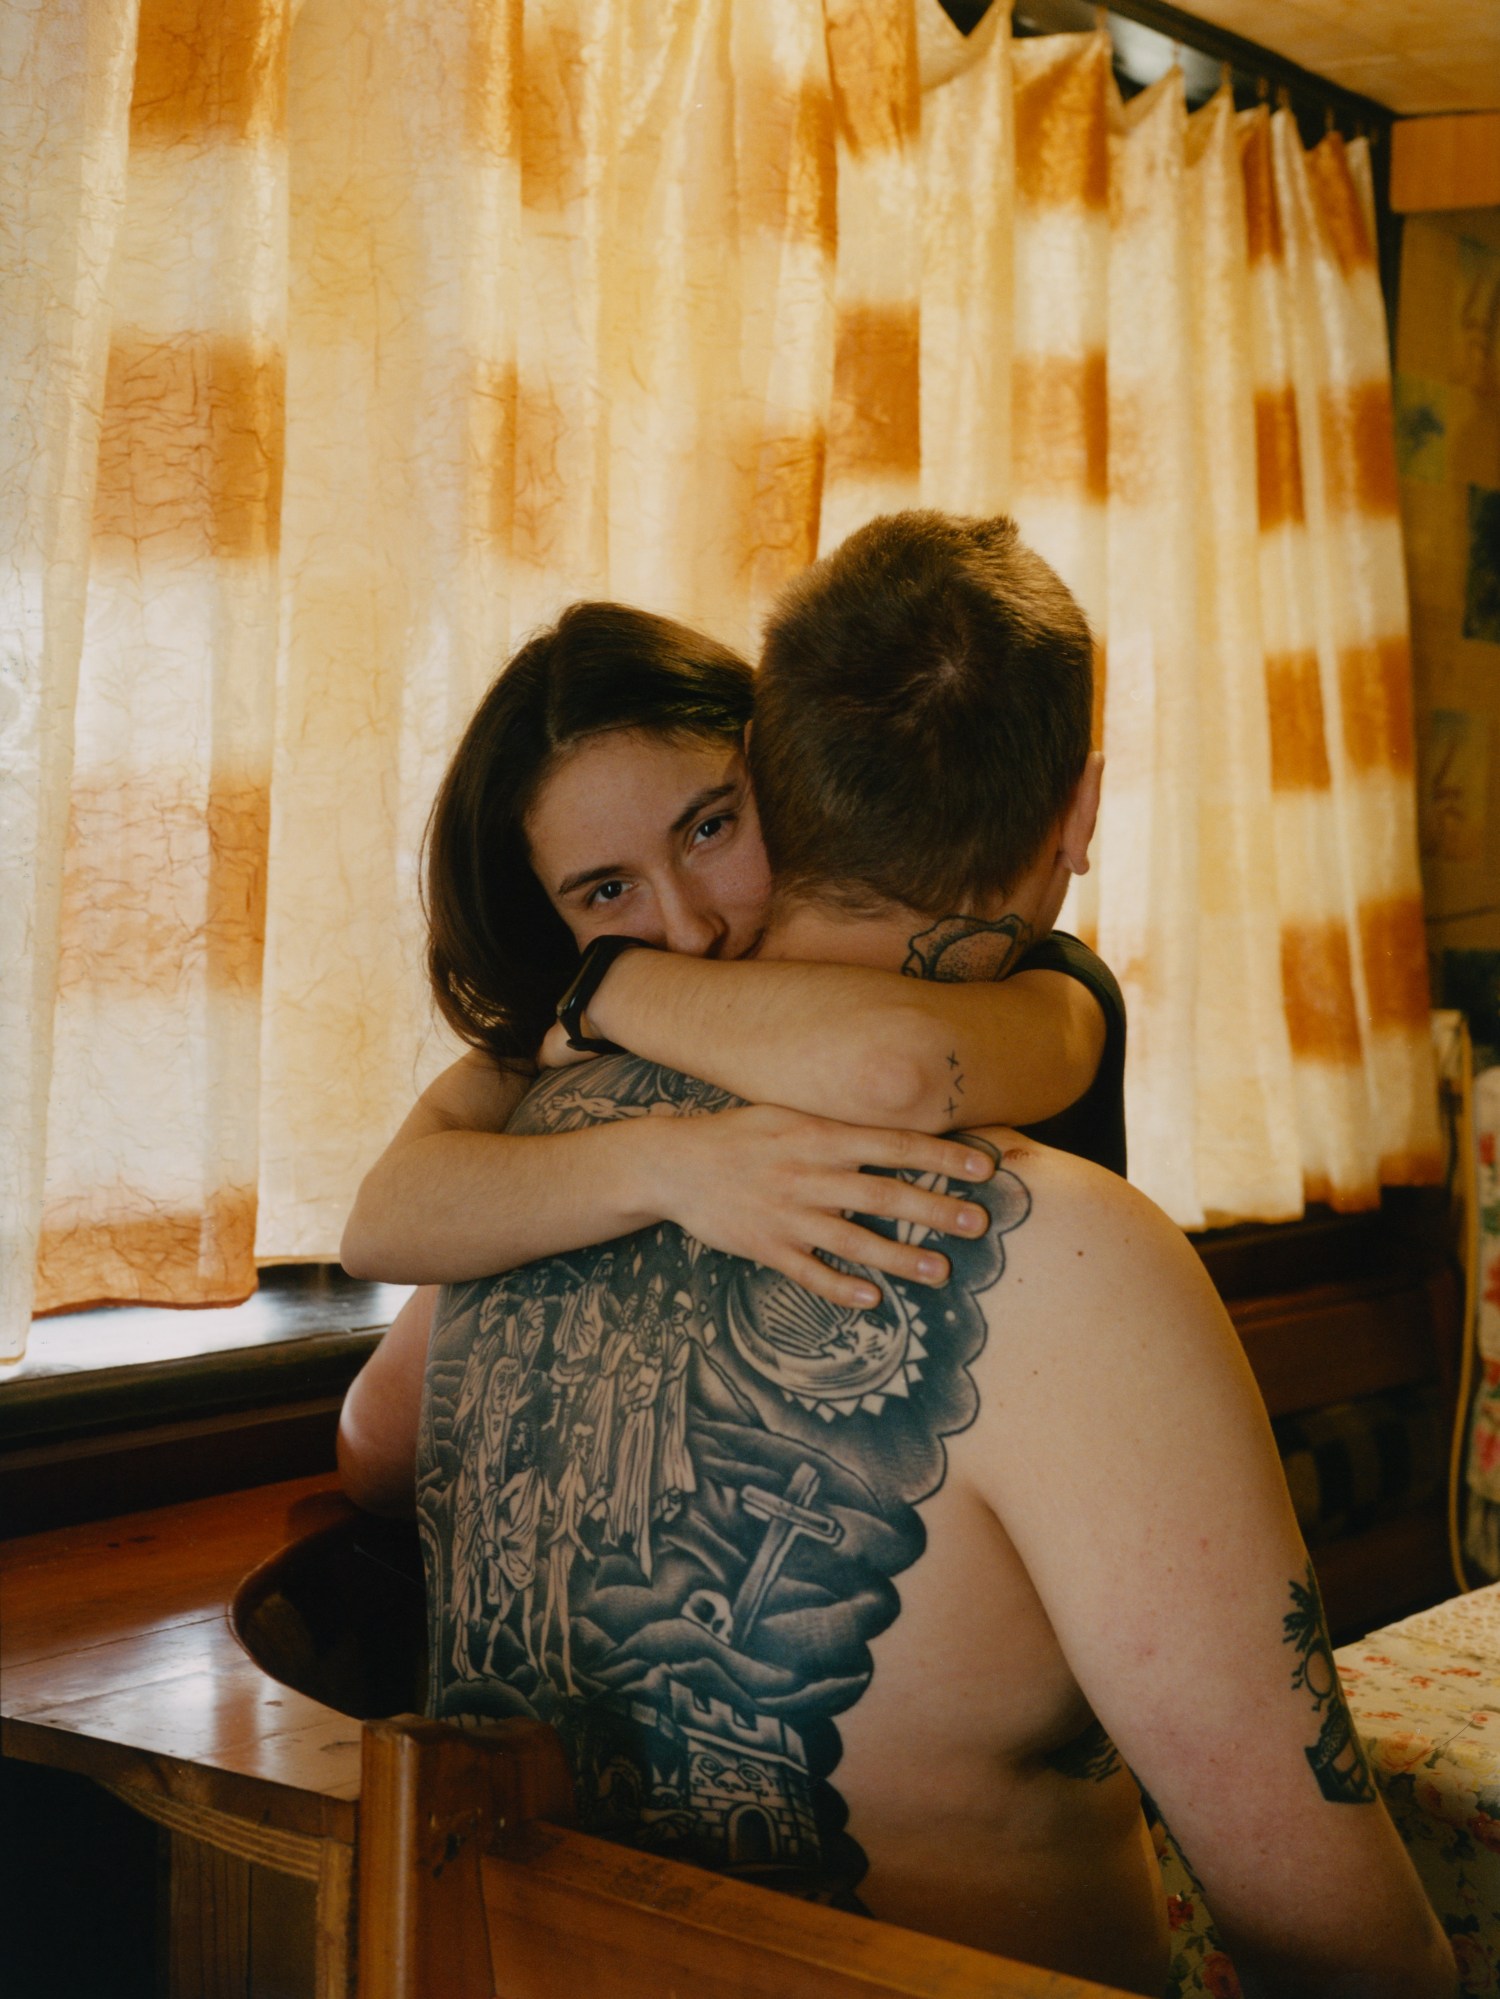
1059, 397
1148, 852
968, 222
1341, 380
150, 1182
391, 334
394, 560
64, 122
787, 229
1246, 1144
874, 421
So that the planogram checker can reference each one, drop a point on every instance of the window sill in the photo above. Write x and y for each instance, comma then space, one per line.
131, 1406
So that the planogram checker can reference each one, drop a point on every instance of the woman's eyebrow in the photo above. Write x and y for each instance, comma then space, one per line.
701, 803
587, 875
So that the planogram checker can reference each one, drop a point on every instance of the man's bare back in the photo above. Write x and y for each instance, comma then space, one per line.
833, 1600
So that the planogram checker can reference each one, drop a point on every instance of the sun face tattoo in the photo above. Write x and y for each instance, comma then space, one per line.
1337, 1757
957, 949
664, 1495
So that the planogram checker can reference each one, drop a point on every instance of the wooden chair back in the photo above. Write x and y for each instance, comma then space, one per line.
473, 1884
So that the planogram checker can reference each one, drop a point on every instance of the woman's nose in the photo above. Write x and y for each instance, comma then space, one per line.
691, 930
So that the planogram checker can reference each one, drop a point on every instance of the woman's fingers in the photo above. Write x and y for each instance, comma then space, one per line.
858, 1294
853, 1244
914, 1151
900, 1201
918, 1263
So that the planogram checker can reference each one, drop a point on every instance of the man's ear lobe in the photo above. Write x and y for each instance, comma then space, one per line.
1082, 815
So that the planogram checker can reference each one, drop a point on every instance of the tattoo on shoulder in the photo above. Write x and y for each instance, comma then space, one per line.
959, 948
664, 1496
1090, 1756
1338, 1756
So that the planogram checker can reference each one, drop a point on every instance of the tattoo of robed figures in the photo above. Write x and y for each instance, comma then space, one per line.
664, 1495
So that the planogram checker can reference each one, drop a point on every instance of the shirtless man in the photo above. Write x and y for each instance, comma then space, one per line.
954, 1574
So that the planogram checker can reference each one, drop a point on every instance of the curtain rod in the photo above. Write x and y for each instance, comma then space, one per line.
1252, 60
1249, 60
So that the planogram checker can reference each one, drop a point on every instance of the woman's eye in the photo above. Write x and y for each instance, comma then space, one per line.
606, 892
709, 829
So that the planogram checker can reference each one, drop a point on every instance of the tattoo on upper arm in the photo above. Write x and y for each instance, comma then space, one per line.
664, 1495
960, 948
1338, 1756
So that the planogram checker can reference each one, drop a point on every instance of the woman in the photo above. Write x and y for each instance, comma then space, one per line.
601, 789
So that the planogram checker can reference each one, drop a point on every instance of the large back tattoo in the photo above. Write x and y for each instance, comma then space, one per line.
663, 1496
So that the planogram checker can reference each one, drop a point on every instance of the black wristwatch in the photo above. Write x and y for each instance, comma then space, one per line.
598, 955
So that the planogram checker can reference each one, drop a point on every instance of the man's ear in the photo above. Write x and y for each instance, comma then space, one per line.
1081, 816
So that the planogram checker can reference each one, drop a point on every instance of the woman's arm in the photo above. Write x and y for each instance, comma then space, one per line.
377, 1435
452, 1197
911, 1052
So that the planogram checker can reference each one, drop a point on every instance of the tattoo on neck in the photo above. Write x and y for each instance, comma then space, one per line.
1338, 1756
959, 948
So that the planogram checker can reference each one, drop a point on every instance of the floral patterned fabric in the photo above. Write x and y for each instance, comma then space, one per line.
1482, 1533
1425, 1694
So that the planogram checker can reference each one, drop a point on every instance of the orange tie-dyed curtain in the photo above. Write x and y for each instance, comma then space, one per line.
347, 343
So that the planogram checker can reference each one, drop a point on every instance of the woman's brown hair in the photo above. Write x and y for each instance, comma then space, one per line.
498, 954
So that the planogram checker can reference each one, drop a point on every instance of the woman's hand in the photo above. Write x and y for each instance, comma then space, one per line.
774, 1185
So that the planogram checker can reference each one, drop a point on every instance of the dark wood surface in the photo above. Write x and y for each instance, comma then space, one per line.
59, 1482
1338, 1342
117, 1660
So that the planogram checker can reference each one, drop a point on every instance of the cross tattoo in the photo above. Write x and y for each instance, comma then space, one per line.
950, 1109
953, 1061
789, 1519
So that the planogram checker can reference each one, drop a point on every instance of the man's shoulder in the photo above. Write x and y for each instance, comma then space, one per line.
1084, 1228
1067, 1178
610, 1087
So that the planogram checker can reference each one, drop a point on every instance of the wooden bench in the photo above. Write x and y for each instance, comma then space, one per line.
471, 1883
287, 1826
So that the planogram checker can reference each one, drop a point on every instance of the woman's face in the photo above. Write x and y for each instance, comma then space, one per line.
646, 836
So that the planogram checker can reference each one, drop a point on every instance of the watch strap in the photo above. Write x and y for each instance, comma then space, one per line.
598, 955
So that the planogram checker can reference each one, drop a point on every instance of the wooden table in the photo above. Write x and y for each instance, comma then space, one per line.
118, 1661
1425, 1695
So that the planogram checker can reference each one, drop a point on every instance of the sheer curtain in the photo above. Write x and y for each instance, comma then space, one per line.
349, 344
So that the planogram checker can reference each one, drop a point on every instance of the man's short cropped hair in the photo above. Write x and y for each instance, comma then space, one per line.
922, 715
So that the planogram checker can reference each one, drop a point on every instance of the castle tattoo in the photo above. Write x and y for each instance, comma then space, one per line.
663, 1497
961, 948
1338, 1756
